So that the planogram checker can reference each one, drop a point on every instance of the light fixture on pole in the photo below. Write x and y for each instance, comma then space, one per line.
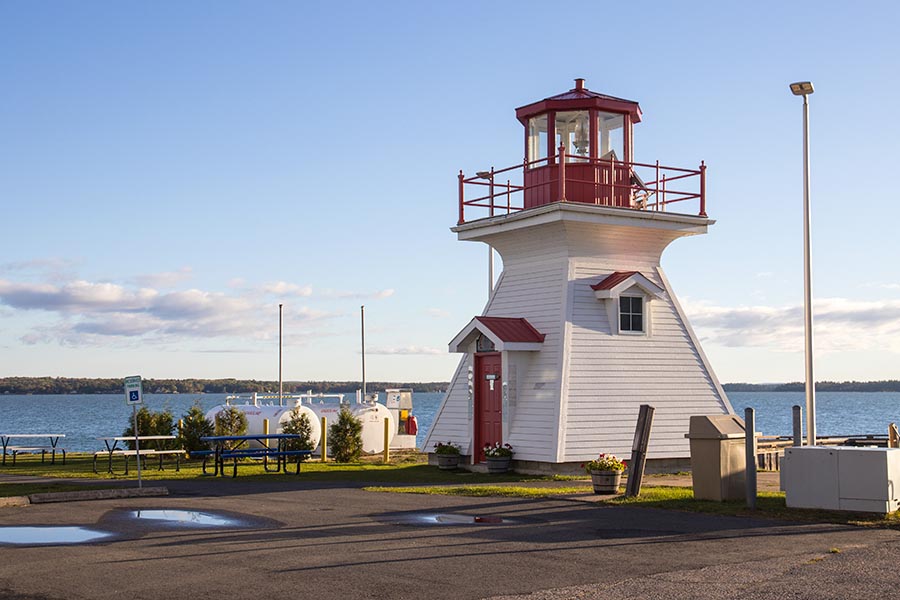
805, 88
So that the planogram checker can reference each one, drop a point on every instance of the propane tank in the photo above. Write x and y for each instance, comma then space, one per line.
371, 416
277, 416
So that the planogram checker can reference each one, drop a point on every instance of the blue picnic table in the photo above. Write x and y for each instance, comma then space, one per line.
234, 447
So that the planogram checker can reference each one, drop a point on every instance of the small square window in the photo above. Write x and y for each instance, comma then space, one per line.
631, 314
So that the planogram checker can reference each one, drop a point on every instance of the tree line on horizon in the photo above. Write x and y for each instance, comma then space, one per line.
87, 385
887, 385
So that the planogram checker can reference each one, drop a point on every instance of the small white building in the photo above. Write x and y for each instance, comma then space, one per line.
582, 326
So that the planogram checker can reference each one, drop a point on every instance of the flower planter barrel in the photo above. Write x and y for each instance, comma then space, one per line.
498, 464
448, 462
606, 482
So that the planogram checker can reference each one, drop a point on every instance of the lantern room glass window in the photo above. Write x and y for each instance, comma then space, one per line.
611, 129
573, 130
631, 314
537, 140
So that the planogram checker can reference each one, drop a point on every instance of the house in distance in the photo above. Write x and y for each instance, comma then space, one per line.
582, 326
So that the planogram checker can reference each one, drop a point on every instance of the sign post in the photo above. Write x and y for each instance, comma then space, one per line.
134, 395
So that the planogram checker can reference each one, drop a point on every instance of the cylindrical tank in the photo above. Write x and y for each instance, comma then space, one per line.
277, 416
371, 416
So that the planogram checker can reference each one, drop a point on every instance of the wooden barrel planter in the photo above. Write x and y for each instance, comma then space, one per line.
606, 482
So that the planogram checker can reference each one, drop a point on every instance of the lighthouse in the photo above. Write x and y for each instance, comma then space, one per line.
582, 326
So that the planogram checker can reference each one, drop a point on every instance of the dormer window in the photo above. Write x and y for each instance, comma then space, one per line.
627, 296
631, 314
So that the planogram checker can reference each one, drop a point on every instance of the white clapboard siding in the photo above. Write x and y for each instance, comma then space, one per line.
610, 376
531, 289
580, 394
451, 422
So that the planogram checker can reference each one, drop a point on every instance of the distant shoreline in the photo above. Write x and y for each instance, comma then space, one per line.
83, 385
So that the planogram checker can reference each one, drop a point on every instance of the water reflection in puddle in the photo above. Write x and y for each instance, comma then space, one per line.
186, 517
448, 519
50, 535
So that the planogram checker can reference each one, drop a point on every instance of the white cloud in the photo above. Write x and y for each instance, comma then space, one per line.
165, 279
439, 313
839, 324
407, 350
90, 313
72, 297
343, 295
283, 288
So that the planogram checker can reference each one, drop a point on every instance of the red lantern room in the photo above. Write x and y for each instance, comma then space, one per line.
579, 147
591, 133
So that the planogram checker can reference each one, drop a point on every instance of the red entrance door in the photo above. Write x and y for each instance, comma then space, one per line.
488, 401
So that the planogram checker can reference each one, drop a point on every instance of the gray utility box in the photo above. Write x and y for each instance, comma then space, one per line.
718, 458
842, 478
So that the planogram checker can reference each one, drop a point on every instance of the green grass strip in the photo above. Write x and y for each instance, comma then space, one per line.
509, 491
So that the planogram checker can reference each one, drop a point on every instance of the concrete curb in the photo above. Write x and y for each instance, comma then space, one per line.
97, 495
14, 501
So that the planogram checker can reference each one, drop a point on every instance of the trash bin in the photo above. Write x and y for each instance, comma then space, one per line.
718, 459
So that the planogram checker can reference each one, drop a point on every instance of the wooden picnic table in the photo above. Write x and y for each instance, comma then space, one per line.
221, 453
112, 448
14, 450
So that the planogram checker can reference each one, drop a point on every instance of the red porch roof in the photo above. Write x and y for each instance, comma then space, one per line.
510, 329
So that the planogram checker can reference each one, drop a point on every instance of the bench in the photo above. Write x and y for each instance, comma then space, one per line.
265, 454
126, 454
205, 454
44, 450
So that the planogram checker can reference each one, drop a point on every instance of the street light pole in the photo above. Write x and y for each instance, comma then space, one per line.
805, 88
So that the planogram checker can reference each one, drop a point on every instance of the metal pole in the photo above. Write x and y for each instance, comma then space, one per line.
798, 426
807, 287
280, 348
137, 444
750, 453
362, 319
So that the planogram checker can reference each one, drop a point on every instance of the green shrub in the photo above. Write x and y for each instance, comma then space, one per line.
152, 423
345, 437
298, 424
231, 421
194, 425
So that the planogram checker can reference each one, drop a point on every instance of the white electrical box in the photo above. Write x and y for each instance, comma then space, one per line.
842, 478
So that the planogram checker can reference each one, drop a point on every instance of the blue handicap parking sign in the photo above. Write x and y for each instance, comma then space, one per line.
133, 396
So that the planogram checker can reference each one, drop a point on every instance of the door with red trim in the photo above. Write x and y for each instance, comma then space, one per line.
488, 407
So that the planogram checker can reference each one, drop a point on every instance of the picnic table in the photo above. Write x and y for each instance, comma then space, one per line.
238, 446
113, 449
5, 438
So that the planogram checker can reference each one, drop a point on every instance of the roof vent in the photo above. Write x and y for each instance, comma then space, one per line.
579, 84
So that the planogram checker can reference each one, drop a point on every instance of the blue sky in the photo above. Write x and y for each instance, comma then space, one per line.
170, 172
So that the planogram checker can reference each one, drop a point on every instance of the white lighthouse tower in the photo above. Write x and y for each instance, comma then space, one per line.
582, 327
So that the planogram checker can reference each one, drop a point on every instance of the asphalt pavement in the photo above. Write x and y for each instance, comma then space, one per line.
335, 541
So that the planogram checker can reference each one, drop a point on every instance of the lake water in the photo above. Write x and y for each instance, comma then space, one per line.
83, 418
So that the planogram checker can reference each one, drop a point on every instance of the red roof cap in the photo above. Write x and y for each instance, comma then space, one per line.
613, 280
581, 98
510, 329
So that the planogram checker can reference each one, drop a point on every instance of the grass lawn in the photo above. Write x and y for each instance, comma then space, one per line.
404, 472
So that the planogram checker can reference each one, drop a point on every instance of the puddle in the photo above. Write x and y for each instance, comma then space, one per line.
448, 519
50, 535
190, 518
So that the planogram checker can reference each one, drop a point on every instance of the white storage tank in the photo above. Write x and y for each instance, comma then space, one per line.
277, 416
371, 416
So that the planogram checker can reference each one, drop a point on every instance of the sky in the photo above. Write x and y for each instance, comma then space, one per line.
172, 171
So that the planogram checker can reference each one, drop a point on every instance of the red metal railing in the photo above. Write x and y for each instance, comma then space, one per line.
604, 182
